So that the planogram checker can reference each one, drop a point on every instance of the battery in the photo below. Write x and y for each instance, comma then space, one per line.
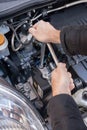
41, 85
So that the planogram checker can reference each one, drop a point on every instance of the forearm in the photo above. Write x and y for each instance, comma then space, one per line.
64, 114
74, 39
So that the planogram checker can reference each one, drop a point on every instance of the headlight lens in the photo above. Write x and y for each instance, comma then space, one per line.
85, 120
16, 113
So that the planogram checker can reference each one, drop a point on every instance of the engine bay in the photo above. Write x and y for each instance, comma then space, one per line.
27, 63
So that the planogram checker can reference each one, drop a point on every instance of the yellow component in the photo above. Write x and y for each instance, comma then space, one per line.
2, 39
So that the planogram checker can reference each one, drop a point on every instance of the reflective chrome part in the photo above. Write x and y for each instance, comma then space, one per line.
81, 100
16, 113
85, 121
78, 97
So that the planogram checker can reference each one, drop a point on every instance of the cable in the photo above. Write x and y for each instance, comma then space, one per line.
36, 18
60, 8
12, 28
13, 37
67, 6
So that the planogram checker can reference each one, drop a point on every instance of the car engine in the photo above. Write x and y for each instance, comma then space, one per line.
26, 64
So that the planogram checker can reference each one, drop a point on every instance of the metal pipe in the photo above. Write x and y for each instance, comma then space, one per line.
53, 54
42, 55
60, 8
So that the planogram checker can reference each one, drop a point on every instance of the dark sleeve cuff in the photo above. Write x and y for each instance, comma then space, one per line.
63, 41
64, 112
69, 40
74, 39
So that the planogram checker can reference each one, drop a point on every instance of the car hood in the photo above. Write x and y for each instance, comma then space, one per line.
10, 7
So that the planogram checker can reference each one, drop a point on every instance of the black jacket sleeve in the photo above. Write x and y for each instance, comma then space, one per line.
74, 39
64, 114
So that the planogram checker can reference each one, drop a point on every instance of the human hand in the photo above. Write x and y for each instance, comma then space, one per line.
61, 80
45, 32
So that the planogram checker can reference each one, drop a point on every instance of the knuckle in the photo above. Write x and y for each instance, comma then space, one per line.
48, 23
72, 81
73, 86
41, 21
59, 64
64, 64
69, 74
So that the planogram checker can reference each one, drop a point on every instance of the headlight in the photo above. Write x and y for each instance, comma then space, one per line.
16, 113
85, 119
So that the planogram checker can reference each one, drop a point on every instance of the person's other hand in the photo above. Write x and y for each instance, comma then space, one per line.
45, 32
61, 80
